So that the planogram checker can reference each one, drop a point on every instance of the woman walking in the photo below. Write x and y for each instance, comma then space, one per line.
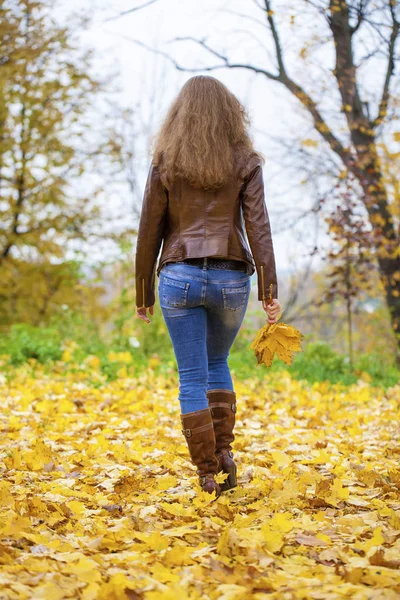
204, 189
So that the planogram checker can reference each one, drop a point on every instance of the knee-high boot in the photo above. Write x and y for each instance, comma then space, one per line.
200, 437
222, 404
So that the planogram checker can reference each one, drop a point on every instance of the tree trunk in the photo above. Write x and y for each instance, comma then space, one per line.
365, 165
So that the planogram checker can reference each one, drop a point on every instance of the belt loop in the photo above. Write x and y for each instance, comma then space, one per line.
204, 263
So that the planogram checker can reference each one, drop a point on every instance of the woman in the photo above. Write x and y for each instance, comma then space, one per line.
204, 187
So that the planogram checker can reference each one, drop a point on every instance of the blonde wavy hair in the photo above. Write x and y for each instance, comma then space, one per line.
204, 129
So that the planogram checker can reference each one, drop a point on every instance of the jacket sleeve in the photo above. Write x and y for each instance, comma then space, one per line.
150, 236
258, 230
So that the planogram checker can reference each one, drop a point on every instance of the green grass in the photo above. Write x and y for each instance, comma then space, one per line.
317, 362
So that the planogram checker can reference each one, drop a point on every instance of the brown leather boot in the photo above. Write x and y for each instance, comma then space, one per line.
199, 433
223, 410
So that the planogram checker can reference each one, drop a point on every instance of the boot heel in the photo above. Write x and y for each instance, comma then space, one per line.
232, 477
231, 481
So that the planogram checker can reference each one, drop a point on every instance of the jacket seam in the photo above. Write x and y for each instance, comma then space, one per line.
205, 215
155, 172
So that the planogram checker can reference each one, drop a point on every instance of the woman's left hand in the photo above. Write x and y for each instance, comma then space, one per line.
272, 309
142, 313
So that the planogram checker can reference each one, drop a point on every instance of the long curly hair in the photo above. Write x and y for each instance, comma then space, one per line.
204, 129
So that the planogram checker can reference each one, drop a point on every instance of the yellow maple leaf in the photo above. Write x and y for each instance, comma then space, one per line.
276, 338
283, 522
273, 539
281, 458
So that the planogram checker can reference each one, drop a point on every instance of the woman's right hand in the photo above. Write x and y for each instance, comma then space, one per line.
142, 313
272, 309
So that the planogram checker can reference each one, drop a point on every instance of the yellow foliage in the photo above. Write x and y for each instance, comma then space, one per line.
310, 143
122, 357
276, 338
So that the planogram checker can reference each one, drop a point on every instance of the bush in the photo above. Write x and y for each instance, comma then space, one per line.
74, 326
377, 367
26, 341
318, 362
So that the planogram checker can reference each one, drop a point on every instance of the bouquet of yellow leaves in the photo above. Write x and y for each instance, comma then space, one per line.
276, 337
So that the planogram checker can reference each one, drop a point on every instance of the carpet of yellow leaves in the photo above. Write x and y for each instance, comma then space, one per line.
99, 499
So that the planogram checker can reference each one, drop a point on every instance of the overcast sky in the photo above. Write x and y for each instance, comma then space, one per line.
275, 113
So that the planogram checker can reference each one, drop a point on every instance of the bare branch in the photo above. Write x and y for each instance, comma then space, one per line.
360, 10
253, 36
275, 35
131, 10
204, 45
178, 66
321, 9
243, 16
383, 105
225, 63
258, 5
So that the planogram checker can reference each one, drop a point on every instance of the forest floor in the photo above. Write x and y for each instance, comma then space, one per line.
99, 500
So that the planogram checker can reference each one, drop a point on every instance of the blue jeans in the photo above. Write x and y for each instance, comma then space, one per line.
203, 309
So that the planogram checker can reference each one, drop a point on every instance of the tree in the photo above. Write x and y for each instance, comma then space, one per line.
50, 151
372, 29
350, 262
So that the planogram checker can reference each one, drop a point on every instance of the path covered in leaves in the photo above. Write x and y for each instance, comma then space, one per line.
98, 497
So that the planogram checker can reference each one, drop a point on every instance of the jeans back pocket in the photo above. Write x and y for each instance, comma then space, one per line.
174, 292
235, 297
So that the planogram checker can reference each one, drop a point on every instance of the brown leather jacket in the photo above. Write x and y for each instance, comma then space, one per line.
195, 222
